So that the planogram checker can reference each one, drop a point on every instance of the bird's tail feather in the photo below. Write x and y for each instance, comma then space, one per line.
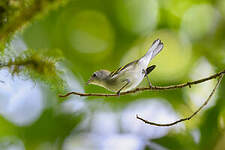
156, 47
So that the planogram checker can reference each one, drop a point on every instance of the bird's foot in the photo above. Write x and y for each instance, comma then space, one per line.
150, 85
118, 93
144, 72
146, 75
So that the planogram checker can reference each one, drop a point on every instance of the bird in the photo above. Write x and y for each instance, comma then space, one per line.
129, 76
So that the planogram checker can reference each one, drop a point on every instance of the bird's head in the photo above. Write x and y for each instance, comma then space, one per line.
98, 77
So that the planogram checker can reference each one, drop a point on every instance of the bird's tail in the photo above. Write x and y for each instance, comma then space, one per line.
156, 47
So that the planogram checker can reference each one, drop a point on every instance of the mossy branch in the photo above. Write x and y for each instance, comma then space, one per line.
11, 19
32, 61
36, 66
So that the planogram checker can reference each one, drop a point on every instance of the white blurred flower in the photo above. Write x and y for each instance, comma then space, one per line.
105, 123
155, 110
21, 100
123, 142
81, 142
196, 135
11, 143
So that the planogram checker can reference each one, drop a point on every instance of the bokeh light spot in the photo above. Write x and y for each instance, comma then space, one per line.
198, 94
137, 16
199, 21
221, 6
90, 32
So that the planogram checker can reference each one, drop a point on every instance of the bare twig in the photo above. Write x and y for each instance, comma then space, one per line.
149, 88
188, 118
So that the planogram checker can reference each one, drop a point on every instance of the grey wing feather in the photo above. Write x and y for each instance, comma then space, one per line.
125, 67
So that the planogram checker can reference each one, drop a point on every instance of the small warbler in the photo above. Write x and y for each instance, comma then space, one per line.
129, 76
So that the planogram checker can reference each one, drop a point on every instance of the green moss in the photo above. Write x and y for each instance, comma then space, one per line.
15, 14
37, 66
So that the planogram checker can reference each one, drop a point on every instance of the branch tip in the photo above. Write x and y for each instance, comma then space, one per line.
192, 115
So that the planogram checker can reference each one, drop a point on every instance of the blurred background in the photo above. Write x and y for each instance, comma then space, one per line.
83, 36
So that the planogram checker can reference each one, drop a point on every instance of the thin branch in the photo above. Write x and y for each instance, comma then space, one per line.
188, 118
156, 88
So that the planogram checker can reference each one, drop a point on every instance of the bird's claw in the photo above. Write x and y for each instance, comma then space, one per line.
146, 75
144, 72
118, 93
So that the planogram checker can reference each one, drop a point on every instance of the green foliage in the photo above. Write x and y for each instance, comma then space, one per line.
88, 35
180, 141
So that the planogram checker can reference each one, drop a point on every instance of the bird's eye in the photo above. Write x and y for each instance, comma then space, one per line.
94, 75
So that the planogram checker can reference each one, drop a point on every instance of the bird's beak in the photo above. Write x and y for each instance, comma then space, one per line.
89, 81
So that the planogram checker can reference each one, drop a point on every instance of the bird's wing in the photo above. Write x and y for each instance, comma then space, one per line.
121, 69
